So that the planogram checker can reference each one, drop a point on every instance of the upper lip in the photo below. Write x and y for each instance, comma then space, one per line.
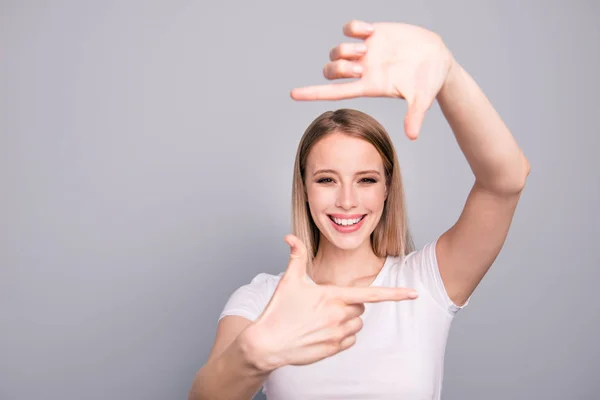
343, 216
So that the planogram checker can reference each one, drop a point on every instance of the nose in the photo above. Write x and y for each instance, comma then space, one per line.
347, 197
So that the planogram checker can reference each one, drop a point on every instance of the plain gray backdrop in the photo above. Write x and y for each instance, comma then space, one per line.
146, 157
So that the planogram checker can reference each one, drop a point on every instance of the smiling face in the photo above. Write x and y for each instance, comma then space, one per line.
345, 185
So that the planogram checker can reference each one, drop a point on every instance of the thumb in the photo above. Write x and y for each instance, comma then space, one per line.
298, 257
415, 116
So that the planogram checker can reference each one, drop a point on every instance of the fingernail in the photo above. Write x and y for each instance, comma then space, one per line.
357, 69
413, 294
369, 28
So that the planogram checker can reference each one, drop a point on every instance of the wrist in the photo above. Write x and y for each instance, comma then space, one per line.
257, 353
451, 77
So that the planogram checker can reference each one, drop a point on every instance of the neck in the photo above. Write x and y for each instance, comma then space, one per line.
335, 266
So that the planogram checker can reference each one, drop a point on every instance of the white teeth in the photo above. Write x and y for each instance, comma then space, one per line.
346, 222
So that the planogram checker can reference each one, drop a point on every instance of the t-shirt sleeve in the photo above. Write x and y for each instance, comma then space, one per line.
250, 300
424, 263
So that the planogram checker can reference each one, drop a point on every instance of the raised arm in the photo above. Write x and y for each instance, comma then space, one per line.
468, 249
405, 61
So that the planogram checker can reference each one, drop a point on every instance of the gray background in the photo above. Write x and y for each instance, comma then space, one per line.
146, 156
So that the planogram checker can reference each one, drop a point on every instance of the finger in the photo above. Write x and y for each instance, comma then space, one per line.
349, 51
375, 294
415, 116
347, 342
342, 69
358, 29
352, 326
354, 310
298, 257
335, 91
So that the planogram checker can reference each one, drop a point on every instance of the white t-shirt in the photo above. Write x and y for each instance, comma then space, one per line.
398, 354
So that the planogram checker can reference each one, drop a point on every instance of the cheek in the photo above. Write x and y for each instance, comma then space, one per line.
317, 202
320, 198
374, 199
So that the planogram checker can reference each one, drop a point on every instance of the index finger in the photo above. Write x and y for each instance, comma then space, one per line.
358, 29
375, 294
334, 91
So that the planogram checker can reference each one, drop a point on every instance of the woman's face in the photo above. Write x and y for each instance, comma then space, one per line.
345, 184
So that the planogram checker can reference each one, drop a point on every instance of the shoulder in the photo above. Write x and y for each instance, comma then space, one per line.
263, 282
422, 256
420, 269
415, 260
409, 266
250, 299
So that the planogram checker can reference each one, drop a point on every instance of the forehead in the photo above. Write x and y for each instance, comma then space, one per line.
343, 153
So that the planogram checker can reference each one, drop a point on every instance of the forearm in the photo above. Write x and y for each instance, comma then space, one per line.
489, 147
235, 374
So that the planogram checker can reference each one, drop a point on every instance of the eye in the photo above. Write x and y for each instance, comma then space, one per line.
324, 180
364, 180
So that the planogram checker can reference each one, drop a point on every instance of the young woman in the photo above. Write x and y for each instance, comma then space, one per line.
359, 313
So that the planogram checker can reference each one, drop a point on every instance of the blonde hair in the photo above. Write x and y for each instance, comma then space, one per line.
391, 235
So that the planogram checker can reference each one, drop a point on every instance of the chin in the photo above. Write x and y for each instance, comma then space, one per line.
347, 243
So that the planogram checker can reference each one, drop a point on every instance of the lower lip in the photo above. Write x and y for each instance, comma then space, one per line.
348, 228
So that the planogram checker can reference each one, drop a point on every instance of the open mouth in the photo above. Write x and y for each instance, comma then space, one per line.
346, 222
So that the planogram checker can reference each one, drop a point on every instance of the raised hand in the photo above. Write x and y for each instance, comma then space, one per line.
394, 60
305, 322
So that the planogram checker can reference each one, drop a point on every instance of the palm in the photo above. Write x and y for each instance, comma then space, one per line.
401, 61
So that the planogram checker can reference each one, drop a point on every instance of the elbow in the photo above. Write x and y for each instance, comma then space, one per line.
527, 168
518, 183
508, 184
524, 174
514, 185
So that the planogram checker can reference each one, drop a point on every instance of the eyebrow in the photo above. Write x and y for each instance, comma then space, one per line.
331, 171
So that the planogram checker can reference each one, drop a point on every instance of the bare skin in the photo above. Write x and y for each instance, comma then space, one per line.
304, 322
